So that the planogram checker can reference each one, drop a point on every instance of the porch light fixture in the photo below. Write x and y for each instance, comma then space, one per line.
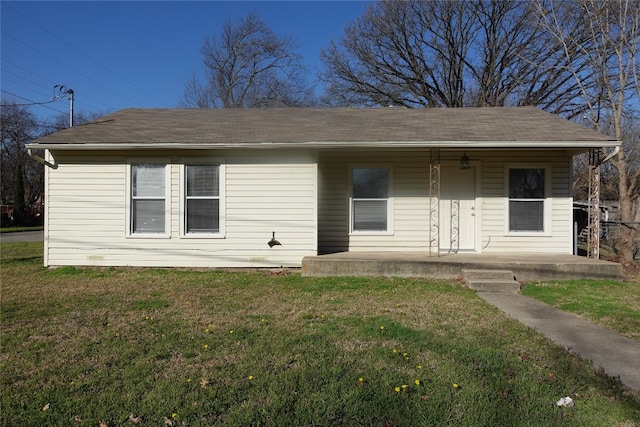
465, 162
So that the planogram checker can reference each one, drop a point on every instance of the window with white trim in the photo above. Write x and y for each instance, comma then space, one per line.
370, 199
148, 199
527, 199
202, 198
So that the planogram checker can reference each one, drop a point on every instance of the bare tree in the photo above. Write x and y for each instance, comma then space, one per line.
449, 54
22, 179
607, 46
61, 121
247, 65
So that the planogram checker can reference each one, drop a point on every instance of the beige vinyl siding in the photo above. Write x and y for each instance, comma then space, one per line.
408, 199
495, 237
271, 191
301, 196
410, 194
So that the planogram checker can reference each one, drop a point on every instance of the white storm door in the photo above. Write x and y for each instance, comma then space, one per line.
457, 209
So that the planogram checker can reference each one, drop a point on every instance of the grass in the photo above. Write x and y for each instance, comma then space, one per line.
200, 348
612, 304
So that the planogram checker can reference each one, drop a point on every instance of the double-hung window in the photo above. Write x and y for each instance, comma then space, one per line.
370, 200
202, 199
527, 199
148, 199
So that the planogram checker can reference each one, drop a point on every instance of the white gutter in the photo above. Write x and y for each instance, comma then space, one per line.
40, 159
326, 144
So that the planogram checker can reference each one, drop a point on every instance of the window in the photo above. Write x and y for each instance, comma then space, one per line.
202, 199
370, 191
526, 199
148, 199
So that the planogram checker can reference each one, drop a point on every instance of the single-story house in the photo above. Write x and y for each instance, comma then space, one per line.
267, 187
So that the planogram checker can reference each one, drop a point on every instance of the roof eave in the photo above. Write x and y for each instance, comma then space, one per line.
324, 145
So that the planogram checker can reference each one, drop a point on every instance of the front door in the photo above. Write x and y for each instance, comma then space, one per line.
457, 209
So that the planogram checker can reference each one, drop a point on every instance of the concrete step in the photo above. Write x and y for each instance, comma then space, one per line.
502, 281
487, 274
489, 285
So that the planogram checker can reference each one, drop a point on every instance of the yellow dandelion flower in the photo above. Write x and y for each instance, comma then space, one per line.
360, 380
174, 415
417, 382
404, 386
455, 385
206, 346
250, 377
231, 331
381, 327
419, 366
395, 351
397, 389
188, 380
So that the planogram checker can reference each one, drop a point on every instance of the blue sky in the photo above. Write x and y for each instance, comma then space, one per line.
121, 54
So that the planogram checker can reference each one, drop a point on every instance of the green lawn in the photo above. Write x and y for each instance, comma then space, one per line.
615, 305
199, 348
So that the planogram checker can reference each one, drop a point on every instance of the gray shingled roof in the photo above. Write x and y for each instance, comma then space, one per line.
460, 127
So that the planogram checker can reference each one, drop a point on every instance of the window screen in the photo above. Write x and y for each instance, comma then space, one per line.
526, 199
370, 197
202, 196
148, 198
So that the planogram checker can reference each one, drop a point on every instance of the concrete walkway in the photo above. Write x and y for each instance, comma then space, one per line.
617, 355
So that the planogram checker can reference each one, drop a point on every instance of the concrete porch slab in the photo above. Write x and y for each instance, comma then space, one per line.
526, 267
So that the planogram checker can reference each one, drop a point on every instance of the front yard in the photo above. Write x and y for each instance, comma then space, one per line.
198, 348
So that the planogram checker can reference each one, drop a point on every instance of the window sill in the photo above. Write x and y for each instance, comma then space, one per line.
527, 234
202, 236
371, 233
148, 236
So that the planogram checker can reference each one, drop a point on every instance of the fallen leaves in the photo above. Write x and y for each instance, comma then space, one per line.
134, 420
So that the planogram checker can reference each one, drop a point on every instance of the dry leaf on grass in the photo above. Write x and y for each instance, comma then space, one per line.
134, 420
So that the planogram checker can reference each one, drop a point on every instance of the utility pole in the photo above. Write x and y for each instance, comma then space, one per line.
70, 93
63, 89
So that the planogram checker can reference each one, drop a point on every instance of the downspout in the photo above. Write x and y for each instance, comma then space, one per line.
39, 159
614, 153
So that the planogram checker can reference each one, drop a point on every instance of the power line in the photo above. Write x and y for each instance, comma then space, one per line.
43, 104
5, 78
71, 69
5, 71
84, 54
